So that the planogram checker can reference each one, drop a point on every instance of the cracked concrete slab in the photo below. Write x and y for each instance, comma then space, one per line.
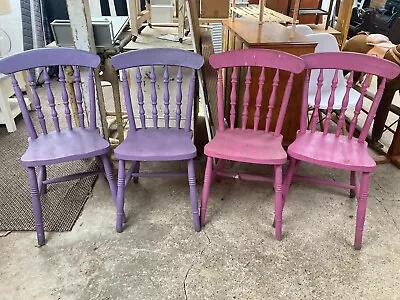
159, 256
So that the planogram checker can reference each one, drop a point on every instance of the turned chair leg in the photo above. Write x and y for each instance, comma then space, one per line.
43, 177
352, 182
37, 208
278, 202
288, 181
361, 209
136, 169
219, 168
206, 190
120, 196
193, 195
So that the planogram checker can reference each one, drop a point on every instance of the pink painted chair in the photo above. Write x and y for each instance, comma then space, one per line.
60, 145
157, 142
237, 143
333, 150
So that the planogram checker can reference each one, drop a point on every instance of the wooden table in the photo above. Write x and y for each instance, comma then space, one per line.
244, 34
9, 108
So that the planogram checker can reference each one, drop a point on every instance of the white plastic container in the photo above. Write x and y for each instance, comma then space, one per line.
162, 11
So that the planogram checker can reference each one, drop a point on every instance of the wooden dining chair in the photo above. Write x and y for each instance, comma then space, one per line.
331, 149
60, 145
166, 141
252, 145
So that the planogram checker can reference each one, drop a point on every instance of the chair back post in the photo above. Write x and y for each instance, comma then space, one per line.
92, 101
42, 59
159, 57
353, 62
285, 102
304, 103
190, 101
24, 109
221, 101
249, 59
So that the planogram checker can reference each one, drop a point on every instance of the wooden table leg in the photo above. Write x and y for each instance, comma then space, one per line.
69, 79
111, 76
181, 20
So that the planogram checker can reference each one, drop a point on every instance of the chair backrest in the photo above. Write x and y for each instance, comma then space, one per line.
250, 59
302, 29
353, 62
164, 58
326, 43
43, 58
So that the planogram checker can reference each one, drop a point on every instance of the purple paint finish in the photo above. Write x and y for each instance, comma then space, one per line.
157, 143
333, 150
250, 145
61, 145
48, 57
64, 95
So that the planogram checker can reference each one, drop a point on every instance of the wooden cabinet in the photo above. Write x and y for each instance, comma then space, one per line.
243, 34
282, 6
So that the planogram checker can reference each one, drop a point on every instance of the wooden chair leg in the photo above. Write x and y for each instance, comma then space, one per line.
120, 196
193, 195
289, 176
219, 168
43, 177
108, 173
37, 208
278, 202
206, 190
352, 182
288, 181
361, 209
136, 169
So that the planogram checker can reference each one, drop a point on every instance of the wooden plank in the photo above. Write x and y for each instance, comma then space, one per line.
343, 21
148, 8
181, 20
261, 13
81, 25
196, 40
194, 23
233, 8
211, 77
253, 11
133, 15
295, 14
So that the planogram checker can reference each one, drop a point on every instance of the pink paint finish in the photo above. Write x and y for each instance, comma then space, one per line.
333, 150
237, 143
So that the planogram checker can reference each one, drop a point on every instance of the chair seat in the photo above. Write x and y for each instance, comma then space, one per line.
331, 151
157, 144
248, 146
67, 145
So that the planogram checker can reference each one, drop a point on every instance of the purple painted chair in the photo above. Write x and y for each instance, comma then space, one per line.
333, 150
60, 145
254, 146
157, 143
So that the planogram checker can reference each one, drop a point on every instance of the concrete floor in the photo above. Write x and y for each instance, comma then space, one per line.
159, 256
